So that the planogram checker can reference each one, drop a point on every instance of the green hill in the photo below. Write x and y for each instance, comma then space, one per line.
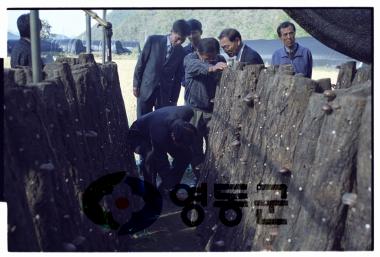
138, 24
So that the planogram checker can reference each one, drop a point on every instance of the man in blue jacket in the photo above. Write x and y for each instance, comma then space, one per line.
202, 74
159, 69
292, 52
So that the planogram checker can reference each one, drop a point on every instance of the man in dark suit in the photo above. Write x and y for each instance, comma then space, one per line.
158, 72
159, 133
195, 36
22, 53
237, 51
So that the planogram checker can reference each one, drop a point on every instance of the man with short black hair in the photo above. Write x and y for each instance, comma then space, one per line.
158, 72
156, 134
237, 51
21, 54
202, 74
194, 37
292, 53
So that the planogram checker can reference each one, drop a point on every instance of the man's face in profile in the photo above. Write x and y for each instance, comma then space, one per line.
231, 48
176, 39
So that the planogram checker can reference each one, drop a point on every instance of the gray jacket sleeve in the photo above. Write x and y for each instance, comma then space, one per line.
195, 67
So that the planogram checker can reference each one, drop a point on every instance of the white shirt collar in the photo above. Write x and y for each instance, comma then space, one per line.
239, 54
168, 41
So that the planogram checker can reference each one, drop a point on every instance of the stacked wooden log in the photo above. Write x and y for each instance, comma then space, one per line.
273, 128
60, 135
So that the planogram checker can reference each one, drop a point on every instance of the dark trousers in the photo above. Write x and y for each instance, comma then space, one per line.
143, 148
151, 164
156, 100
170, 175
144, 107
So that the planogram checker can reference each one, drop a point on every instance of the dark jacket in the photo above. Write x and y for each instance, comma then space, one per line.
21, 54
250, 56
152, 70
153, 131
200, 85
156, 125
189, 49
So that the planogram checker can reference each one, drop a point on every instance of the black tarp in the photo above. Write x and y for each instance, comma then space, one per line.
116, 46
46, 45
346, 30
73, 46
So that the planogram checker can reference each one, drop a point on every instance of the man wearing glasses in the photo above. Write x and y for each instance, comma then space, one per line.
292, 53
236, 50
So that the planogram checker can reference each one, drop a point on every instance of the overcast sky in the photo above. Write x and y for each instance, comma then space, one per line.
67, 22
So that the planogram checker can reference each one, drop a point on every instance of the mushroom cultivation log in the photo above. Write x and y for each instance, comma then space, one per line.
308, 146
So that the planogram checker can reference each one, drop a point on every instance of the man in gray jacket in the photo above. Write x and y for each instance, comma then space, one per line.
202, 74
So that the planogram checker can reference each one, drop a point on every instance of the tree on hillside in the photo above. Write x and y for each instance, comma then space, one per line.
253, 24
45, 31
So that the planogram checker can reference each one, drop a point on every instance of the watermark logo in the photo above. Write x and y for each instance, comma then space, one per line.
139, 220
229, 198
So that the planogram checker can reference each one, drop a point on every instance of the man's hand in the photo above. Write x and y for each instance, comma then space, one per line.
218, 67
136, 91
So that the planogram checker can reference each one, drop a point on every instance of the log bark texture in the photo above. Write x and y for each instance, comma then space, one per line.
61, 135
287, 127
